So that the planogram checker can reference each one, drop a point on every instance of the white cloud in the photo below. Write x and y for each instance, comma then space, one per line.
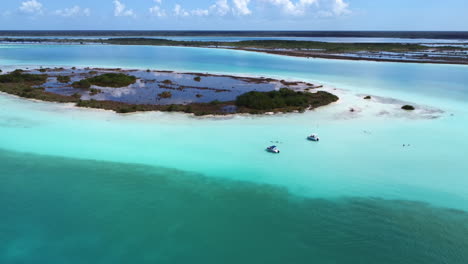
87, 12
321, 8
73, 11
290, 8
31, 7
179, 11
242, 7
325, 8
200, 12
157, 11
120, 9
221, 8
340, 7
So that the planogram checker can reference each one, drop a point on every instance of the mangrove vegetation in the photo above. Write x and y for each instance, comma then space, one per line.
114, 80
285, 99
30, 85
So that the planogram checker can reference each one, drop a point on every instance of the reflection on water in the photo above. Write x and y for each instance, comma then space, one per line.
57, 210
184, 88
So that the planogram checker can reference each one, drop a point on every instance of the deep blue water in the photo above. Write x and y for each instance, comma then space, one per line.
57, 210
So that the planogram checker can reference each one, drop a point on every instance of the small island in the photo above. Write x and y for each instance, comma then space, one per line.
126, 91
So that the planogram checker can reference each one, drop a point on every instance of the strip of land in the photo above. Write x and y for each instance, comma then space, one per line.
392, 52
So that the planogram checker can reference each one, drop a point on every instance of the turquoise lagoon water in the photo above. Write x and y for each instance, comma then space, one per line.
91, 186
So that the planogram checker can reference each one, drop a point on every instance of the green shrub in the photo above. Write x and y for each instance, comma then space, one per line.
167, 82
114, 80
63, 79
165, 94
18, 76
284, 98
201, 113
270, 100
124, 110
368, 97
173, 108
197, 79
94, 91
82, 84
188, 109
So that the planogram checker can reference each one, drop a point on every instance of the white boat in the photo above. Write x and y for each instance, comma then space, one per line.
313, 137
273, 149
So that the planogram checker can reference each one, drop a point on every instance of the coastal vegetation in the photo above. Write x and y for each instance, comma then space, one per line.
198, 109
63, 79
18, 76
283, 99
165, 94
94, 91
27, 90
82, 84
274, 44
254, 44
114, 80
28, 85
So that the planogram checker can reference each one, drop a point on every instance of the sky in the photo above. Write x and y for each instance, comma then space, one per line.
234, 15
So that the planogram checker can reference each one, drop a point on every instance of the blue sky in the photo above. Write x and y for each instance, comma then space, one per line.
235, 14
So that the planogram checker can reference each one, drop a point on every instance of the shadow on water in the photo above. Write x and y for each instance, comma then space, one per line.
57, 210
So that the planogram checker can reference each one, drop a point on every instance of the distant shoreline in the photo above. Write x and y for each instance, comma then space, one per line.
243, 33
344, 57
381, 52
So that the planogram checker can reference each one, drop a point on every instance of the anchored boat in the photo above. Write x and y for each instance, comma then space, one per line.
273, 149
313, 137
